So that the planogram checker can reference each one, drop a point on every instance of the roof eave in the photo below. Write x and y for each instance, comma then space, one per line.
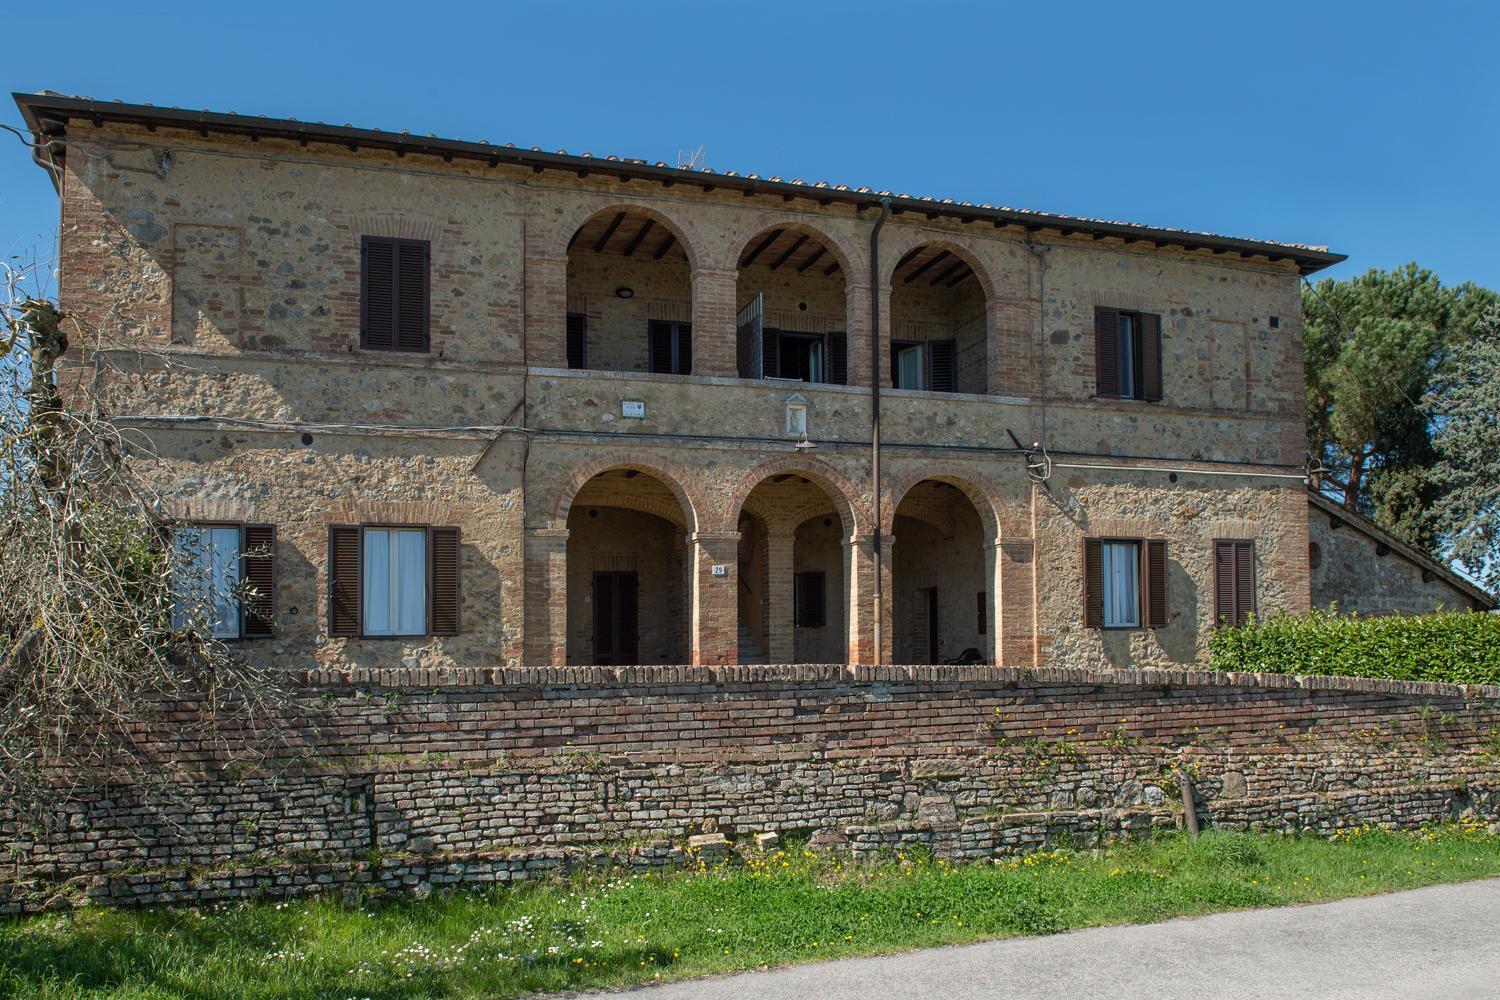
37, 107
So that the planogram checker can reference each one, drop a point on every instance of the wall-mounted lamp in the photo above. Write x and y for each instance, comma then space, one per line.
625, 292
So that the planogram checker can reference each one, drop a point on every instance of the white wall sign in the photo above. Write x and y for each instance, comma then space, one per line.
720, 569
633, 408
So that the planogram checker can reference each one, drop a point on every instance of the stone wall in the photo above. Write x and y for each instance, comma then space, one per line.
417, 778
1364, 574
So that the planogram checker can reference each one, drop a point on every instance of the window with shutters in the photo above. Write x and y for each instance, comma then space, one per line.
931, 366
1127, 354
394, 291
393, 580
1124, 583
1234, 581
809, 600
670, 347
224, 577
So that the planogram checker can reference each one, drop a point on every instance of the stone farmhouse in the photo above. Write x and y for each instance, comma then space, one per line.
448, 403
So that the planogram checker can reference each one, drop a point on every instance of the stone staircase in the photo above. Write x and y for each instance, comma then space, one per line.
750, 651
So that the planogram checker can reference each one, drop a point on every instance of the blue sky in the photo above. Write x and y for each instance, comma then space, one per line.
1368, 127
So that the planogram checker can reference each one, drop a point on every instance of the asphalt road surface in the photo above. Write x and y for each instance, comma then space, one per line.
1440, 942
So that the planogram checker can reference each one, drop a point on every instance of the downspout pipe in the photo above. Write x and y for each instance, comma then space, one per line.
885, 211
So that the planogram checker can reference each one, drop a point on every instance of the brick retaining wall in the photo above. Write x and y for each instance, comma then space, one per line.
415, 779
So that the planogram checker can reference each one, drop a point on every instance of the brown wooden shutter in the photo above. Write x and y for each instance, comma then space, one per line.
1234, 582
259, 567
1156, 584
1244, 581
344, 579
659, 347
1093, 583
838, 358
411, 295
942, 365
377, 294
578, 340
982, 607
770, 353
684, 348
1107, 352
445, 560
1150, 327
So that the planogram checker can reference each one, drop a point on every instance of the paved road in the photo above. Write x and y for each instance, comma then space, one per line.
1439, 942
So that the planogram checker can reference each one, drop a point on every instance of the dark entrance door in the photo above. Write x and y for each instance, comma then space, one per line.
615, 616
933, 642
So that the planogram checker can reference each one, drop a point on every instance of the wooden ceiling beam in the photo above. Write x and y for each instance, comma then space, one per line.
923, 269
809, 262
662, 252
948, 273
761, 247
635, 241
796, 245
613, 225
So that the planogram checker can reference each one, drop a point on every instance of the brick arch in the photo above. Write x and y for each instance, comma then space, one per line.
903, 242
669, 474
589, 209
977, 492
850, 260
848, 503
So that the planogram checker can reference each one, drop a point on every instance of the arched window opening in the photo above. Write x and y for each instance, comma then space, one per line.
791, 323
938, 324
630, 296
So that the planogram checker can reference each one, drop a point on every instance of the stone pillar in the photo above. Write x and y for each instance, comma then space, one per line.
781, 637
859, 576
715, 607
1015, 621
546, 640
715, 337
546, 316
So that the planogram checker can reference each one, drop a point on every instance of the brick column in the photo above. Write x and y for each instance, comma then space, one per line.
546, 316
859, 573
781, 645
1011, 326
857, 322
714, 333
715, 607
546, 640
1015, 623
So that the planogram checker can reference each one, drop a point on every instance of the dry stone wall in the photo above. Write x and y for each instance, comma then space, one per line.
424, 778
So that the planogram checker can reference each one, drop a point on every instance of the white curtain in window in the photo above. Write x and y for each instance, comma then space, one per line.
1121, 565
395, 581
377, 582
411, 583
207, 578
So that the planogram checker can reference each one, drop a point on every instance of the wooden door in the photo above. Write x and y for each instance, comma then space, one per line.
616, 615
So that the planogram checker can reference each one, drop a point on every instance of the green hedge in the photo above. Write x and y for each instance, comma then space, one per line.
1455, 647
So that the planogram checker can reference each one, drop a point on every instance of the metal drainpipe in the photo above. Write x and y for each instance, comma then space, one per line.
885, 211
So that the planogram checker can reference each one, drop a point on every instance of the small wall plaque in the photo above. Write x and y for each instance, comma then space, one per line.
635, 408
719, 569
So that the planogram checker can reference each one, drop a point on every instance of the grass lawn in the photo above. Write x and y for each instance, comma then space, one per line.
611, 930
